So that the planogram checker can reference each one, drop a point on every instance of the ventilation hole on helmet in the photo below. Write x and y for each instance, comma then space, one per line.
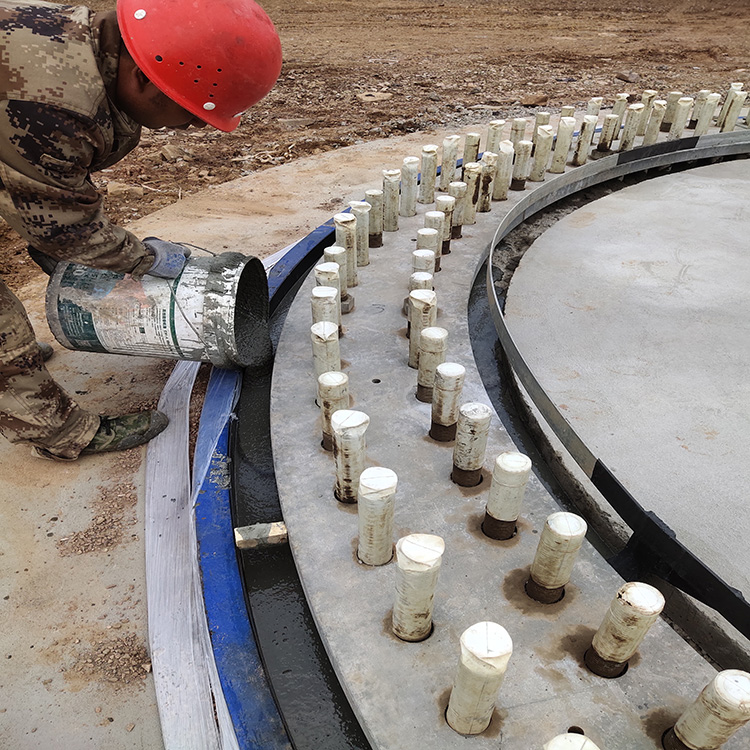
199, 66
196, 80
158, 58
214, 84
210, 96
182, 63
218, 70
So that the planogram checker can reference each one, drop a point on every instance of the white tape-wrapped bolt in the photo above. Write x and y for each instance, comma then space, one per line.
672, 98
489, 169
618, 108
736, 99
428, 238
517, 130
594, 105
375, 503
446, 204
418, 558
346, 237
545, 135
504, 171
446, 401
658, 110
635, 608
375, 198
647, 99
435, 220
333, 394
450, 158
720, 710
471, 443
458, 191
471, 151
324, 304
700, 102
426, 192
337, 255
570, 741
609, 131
325, 347
348, 427
423, 260
391, 190
422, 314
409, 186
421, 279
559, 544
680, 118
327, 274
472, 175
585, 138
361, 211
706, 116
495, 135
486, 649
432, 345
567, 111
509, 479
721, 118
633, 116
541, 119
521, 165
562, 144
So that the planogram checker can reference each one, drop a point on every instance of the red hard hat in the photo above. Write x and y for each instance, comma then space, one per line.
215, 58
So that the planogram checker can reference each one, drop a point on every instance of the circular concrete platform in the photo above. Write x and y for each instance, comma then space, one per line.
633, 313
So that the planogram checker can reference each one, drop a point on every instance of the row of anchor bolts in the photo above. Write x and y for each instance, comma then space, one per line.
486, 647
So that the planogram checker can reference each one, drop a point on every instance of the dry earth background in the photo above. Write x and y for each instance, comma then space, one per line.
359, 71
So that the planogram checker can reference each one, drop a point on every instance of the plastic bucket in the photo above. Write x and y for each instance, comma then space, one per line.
215, 311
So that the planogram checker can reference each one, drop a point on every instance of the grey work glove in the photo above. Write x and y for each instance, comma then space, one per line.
169, 257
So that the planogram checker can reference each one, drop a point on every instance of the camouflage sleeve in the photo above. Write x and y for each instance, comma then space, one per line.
49, 199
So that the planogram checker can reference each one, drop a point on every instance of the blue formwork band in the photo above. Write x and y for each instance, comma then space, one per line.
256, 720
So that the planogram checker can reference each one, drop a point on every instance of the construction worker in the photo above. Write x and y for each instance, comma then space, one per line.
75, 89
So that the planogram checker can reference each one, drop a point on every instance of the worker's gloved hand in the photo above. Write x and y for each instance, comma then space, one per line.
169, 257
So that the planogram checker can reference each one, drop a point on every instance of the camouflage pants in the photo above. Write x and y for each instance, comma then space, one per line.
33, 408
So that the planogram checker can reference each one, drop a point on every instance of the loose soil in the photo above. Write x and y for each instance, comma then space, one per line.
355, 72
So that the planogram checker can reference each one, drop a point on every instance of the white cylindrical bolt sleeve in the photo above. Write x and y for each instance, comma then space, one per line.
633, 116
609, 131
450, 157
348, 427
486, 649
336, 254
471, 443
375, 199
426, 193
707, 114
680, 117
423, 260
361, 211
422, 314
489, 170
472, 173
618, 108
324, 301
435, 220
432, 345
346, 237
333, 394
647, 99
458, 191
594, 105
495, 135
672, 98
737, 86
504, 171
545, 135
446, 400
541, 119
653, 128
418, 558
719, 711
517, 130
567, 111
559, 543
585, 138
521, 165
375, 503
509, 479
327, 274
562, 144
428, 238
409, 186
446, 204
635, 608
570, 741
391, 188
325, 346
422, 279
736, 99
700, 102
471, 148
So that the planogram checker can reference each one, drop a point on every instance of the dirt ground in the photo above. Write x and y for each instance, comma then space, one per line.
355, 72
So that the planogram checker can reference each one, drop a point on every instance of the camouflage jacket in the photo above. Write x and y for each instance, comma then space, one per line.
58, 123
